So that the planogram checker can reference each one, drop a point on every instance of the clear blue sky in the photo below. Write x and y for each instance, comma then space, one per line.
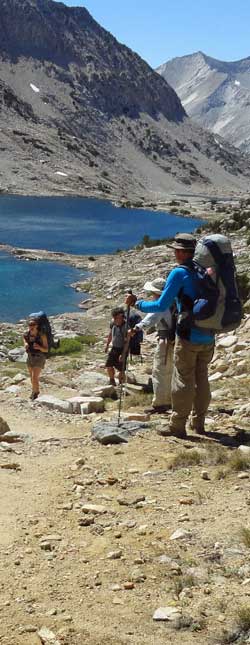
162, 29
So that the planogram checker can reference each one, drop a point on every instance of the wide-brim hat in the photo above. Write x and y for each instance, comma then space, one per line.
184, 241
155, 286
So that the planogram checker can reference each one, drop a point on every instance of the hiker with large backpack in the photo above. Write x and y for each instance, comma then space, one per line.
203, 285
164, 325
37, 342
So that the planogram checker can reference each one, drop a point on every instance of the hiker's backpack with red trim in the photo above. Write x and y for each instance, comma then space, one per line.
218, 306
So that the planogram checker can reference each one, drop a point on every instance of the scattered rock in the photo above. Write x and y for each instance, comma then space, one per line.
128, 585
114, 555
52, 403
92, 404
138, 576
12, 437
27, 629
180, 534
13, 389
244, 449
133, 416
205, 475
47, 637
186, 501
106, 392
227, 341
108, 432
167, 613
86, 521
18, 355
215, 377
94, 508
12, 466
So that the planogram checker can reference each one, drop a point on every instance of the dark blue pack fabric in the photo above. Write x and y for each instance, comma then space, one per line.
225, 262
207, 291
217, 305
137, 339
205, 304
44, 327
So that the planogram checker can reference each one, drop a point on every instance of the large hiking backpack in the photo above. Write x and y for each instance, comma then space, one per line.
136, 340
218, 305
44, 327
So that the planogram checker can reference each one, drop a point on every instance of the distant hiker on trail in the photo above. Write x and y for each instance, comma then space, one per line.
164, 323
36, 345
194, 347
116, 359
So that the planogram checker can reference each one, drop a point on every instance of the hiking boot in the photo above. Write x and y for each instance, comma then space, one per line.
34, 396
199, 430
158, 409
172, 432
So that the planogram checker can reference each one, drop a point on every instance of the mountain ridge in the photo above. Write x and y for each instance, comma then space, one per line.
214, 93
82, 114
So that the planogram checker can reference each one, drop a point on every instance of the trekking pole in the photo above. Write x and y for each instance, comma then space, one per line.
124, 356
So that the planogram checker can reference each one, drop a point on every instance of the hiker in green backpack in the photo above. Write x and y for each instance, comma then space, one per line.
194, 347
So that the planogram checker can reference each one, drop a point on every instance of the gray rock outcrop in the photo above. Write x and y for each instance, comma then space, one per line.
81, 113
214, 93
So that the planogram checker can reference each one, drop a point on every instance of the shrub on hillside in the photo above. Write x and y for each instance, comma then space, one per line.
72, 345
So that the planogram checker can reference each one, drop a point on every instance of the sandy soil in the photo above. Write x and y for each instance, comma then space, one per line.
70, 587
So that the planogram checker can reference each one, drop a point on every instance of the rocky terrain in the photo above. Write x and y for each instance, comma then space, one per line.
83, 114
215, 93
147, 541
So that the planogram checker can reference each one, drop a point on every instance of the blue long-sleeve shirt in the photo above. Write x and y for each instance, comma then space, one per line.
178, 279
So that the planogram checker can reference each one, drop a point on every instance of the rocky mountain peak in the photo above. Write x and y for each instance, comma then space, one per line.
215, 93
42, 29
77, 104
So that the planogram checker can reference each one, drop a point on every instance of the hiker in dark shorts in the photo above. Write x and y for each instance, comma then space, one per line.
116, 359
36, 346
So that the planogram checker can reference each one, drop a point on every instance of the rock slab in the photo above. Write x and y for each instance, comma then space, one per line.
51, 402
108, 432
167, 613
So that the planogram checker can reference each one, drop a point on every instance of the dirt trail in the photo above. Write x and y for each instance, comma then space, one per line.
72, 578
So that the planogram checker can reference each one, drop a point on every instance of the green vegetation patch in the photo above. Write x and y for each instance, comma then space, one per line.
73, 345
149, 242
243, 618
12, 340
185, 458
238, 461
142, 399
245, 536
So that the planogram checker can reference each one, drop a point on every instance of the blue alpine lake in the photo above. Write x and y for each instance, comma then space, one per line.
27, 286
79, 226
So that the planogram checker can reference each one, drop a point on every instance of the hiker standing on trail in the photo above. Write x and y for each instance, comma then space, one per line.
36, 346
116, 359
164, 323
194, 347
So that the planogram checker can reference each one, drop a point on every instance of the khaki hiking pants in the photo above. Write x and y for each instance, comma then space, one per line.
190, 386
162, 372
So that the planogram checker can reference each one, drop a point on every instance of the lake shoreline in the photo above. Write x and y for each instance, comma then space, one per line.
186, 201
79, 235
92, 264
